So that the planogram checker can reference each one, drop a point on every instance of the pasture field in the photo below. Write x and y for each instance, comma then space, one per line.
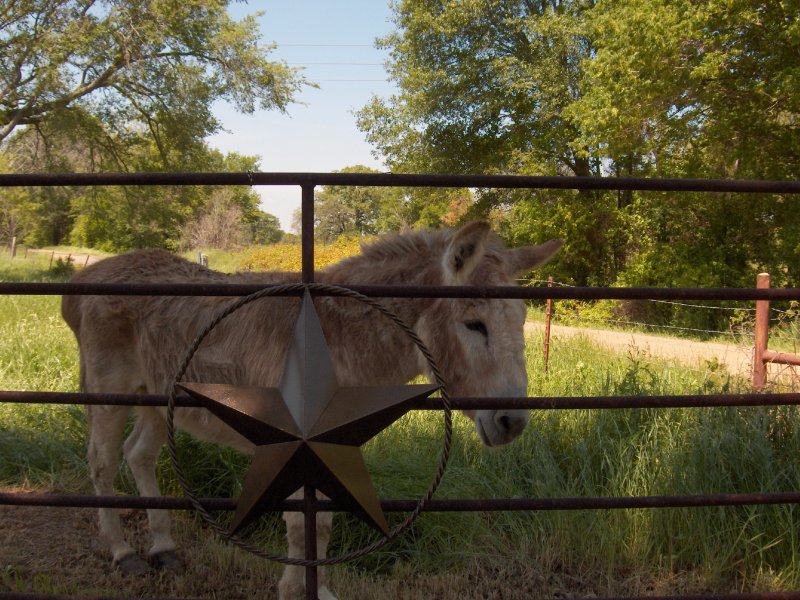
447, 555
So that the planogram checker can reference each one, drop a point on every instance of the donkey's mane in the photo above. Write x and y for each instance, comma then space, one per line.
397, 245
415, 250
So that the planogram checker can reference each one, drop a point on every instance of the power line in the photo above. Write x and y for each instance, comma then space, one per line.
334, 64
324, 45
351, 80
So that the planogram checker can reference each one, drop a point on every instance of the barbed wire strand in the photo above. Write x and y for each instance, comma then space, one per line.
568, 285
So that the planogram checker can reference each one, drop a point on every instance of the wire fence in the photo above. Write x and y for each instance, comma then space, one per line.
737, 359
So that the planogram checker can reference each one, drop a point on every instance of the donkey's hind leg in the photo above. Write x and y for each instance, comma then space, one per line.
141, 453
106, 429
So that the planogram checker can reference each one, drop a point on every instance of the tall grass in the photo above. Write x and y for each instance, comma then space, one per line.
39, 444
562, 453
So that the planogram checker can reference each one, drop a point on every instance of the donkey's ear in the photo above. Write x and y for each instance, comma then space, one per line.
465, 252
527, 258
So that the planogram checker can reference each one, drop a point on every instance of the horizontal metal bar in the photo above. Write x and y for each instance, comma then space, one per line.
97, 399
780, 358
458, 403
449, 505
722, 596
406, 291
20, 596
403, 180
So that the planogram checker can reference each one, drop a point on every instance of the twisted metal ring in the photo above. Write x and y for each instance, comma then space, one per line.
334, 291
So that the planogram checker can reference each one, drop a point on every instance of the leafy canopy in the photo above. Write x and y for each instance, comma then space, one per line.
671, 88
160, 64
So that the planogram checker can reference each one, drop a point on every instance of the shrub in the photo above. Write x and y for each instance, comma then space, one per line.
286, 257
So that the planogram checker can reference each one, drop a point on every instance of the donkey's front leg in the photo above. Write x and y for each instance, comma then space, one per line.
141, 453
293, 582
106, 430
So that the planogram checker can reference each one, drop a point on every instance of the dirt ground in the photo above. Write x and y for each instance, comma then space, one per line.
736, 359
55, 552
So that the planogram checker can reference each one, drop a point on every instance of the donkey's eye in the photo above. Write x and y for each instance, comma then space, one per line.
478, 326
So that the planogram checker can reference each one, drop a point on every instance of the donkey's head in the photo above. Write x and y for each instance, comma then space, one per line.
481, 342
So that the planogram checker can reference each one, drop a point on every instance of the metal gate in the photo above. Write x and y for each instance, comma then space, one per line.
307, 182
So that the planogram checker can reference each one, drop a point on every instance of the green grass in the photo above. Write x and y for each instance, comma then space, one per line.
562, 453
225, 261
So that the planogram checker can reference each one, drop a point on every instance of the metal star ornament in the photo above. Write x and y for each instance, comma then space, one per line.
308, 430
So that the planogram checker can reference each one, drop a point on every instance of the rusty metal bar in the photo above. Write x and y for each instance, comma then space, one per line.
403, 180
20, 596
548, 316
458, 403
307, 233
96, 399
403, 505
405, 291
781, 358
310, 535
722, 596
761, 335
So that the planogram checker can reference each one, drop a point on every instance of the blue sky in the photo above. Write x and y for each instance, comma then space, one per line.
334, 42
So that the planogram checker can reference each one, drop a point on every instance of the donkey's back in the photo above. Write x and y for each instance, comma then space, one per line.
139, 266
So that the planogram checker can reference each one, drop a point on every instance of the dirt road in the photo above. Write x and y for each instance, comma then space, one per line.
737, 360
79, 260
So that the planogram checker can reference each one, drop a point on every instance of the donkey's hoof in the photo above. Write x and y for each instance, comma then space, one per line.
296, 590
132, 565
325, 594
167, 561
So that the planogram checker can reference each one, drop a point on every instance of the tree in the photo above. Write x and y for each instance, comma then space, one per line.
265, 228
577, 87
115, 218
357, 211
110, 66
483, 89
218, 225
694, 88
699, 89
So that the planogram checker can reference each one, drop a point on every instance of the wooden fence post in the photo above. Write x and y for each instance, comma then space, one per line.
548, 312
761, 335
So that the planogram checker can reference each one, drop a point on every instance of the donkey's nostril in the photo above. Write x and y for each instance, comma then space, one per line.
504, 422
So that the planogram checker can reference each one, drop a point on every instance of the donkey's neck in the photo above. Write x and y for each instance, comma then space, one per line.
368, 345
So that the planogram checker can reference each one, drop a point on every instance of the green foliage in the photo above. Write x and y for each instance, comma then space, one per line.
264, 228
122, 218
359, 211
634, 88
343, 210
125, 87
63, 268
160, 65
481, 86
709, 90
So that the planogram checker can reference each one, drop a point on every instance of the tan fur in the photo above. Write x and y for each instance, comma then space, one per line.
134, 344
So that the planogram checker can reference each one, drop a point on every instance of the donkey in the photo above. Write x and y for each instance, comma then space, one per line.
133, 344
